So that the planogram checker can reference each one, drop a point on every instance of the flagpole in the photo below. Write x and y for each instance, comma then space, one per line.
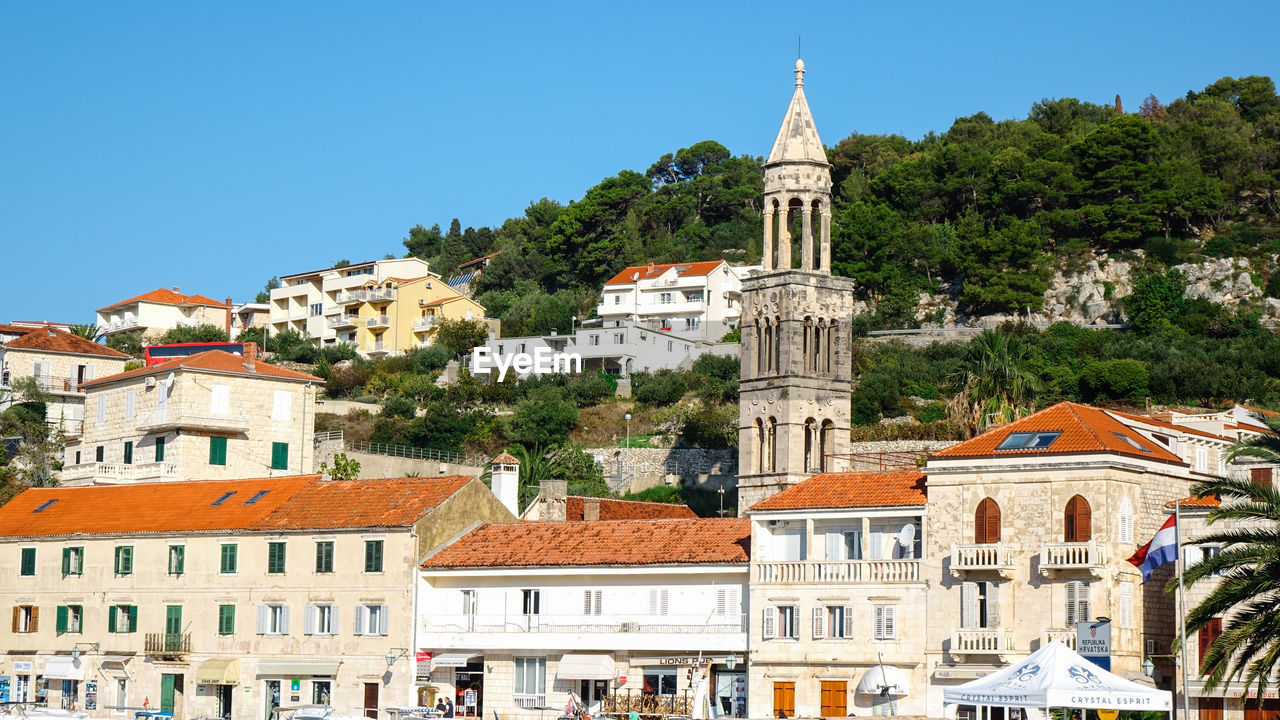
1182, 608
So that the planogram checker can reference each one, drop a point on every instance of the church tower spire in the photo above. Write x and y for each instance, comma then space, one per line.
794, 397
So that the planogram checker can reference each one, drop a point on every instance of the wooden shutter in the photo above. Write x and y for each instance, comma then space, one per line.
890, 622
17, 618
1078, 523
1126, 521
795, 621
60, 622
784, 699
992, 615
968, 605
1126, 604
332, 627
133, 618
819, 623
834, 698
309, 620
1207, 634
986, 522
264, 619
284, 620
1261, 476
848, 622
1077, 602
35, 619
66, 561
383, 619
111, 618
768, 630
359, 615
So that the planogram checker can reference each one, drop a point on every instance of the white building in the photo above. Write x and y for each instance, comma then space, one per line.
622, 349
60, 363
618, 615
696, 300
160, 310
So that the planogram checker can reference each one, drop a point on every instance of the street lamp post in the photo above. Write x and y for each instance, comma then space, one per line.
628, 419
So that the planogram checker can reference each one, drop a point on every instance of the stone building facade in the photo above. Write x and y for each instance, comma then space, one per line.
60, 363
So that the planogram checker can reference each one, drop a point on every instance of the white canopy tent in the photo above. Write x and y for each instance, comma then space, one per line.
1055, 676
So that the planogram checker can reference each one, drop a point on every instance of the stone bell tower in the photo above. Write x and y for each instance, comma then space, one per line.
793, 411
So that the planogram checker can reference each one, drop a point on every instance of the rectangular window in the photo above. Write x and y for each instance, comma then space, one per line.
593, 602
1202, 460
792, 547
886, 622
122, 618
832, 621
159, 449
844, 545
28, 561
129, 397
322, 619
275, 557
281, 405
70, 619
531, 682
26, 618
128, 452
1077, 603
372, 556
531, 602
124, 560
658, 601
217, 451
220, 399
226, 619
273, 619
317, 309
782, 621
1261, 476
324, 556
177, 559
279, 456
727, 604
659, 681
595, 339
371, 620
98, 453
72, 561
321, 692
228, 559
980, 605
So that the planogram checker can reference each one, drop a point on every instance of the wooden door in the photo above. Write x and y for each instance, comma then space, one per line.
834, 698
371, 700
1078, 521
166, 692
784, 699
1210, 708
986, 523
1267, 710
1208, 633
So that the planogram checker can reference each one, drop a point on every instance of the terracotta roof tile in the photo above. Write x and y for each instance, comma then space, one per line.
52, 339
646, 272
702, 541
167, 297
293, 502
505, 458
1167, 425
611, 509
15, 329
1260, 411
850, 490
213, 360
1083, 429
1195, 502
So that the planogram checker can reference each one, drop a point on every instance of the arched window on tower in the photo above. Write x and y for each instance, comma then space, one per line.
1077, 523
830, 351
761, 446
774, 363
810, 445
773, 445
759, 358
986, 523
766, 348
826, 445
815, 239
819, 349
808, 348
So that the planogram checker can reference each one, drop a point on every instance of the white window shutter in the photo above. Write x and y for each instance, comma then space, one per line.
309, 621
835, 545
88, 372
890, 621
264, 619
876, 546
848, 621
769, 628
721, 601
795, 622
129, 396
819, 623
877, 628
600, 602
383, 620
280, 405
1126, 604
1192, 554
359, 615
333, 620
102, 409
284, 619
220, 399
969, 605
653, 601
586, 602
1126, 521
993, 605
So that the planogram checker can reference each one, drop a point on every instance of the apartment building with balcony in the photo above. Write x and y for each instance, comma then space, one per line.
222, 598
838, 593
153, 313
212, 415
620, 615
60, 363
248, 316
621, 349
698, 300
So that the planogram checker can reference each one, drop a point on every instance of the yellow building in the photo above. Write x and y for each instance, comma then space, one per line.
396, 315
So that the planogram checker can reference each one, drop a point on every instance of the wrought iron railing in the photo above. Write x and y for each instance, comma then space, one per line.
167, 643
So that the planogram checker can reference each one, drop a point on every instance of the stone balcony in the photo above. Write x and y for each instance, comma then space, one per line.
982, 643
182, 418
1072, 558
1066, 636
425, 323
340, 322
114, 473
992, 557
837, 571
378, 321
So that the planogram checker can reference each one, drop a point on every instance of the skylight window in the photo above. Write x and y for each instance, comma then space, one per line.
1131, 441
44, 505
256, 497
1029, 440
225, 497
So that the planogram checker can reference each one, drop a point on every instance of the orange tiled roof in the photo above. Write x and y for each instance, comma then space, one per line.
441, 301
1195, 502
479, 259
213, 360
292, 503
611, 509
167, 297
1084, 429
51, 339
505, 458
1260, 411
1168, 425
701, 541
850, 490
646, 272
15, 329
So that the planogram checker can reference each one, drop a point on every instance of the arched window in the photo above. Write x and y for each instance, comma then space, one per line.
831, 348
766, 347
807, 345
773, 444
1077, 524
816, 358
761, 447
810, 445
774, 364
1124, 523
825, 447
986, 522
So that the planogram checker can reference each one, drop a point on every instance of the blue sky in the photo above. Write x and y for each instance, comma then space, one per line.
213, 145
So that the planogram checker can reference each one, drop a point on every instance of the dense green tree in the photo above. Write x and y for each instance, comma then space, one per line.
545, 417
1156, 300
197, 334
461, 335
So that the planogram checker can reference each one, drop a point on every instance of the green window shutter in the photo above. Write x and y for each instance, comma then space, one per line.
62, 619
279, 456
159, 449
275, 557
98, 453
66, 561
124, 560
117, 565
217, 451
133, 618
324, 557
28, 561
229, 558
111, 619
226, 619
177, 559
128, 452
373, 556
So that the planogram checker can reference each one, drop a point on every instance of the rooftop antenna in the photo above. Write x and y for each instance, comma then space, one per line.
798, 53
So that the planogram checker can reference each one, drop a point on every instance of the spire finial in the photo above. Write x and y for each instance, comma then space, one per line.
799, 72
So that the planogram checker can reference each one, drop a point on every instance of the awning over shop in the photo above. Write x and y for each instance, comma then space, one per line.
219, 671
884, 679
296, 668
114, 664
63, 667
585, 666
452, 659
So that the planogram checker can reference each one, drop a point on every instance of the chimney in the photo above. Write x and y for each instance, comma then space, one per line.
555, 493
505, 482
590, 509
175, 288
228, 321
249, 358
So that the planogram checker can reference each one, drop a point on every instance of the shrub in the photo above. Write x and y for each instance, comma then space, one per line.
864, 411
589, 389
712, 426
933, 412
338, 352
431, 357
1113, 380
663, 388
399, 406
1157, 299
345, 381
543, 418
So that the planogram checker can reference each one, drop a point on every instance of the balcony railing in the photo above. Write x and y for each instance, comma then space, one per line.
378, 321
120, 472
839, 571
1065, 636
167, 643
993, 557
175, 418
380, 294
347, 297
1072, 556
50, 383
421, 324
982, 641
343, 321
684, 624
118, 324
379, 348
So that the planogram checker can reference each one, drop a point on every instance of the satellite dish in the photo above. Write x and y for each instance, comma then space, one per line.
168, 381
907, 535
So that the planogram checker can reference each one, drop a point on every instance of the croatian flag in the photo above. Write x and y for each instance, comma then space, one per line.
1162, 549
